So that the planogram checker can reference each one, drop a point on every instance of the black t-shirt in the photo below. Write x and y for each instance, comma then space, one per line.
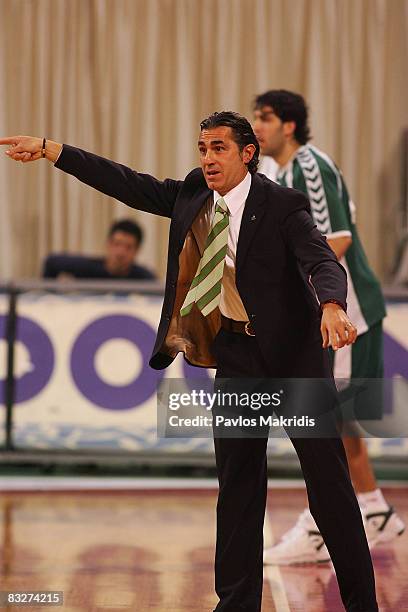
89, 267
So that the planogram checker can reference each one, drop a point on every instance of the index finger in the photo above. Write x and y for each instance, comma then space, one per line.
8, 140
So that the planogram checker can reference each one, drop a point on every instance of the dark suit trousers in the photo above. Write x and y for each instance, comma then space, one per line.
241, 466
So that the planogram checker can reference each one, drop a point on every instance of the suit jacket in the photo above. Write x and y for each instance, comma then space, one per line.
283, 264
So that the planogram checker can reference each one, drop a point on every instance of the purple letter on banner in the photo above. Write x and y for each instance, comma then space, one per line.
83, 369
41, 354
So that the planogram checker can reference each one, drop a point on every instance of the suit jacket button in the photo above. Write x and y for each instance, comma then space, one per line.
252, 317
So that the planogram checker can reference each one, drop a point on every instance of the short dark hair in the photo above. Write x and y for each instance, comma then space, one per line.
128, 227
288, 106
242, 131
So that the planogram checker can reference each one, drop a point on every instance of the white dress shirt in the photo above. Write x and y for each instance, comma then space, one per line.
231, 305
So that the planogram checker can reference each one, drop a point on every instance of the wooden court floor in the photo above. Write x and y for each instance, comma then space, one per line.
153, 550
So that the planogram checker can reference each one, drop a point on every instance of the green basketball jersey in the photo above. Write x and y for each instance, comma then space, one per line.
315, 174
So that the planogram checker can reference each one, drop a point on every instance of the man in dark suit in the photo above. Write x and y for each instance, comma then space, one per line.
251, 289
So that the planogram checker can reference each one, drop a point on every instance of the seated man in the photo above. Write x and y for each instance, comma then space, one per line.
124, 240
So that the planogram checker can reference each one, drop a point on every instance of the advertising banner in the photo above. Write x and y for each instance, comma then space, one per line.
83, 379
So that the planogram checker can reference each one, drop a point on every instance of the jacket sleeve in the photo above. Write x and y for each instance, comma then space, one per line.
315, 257
140, 191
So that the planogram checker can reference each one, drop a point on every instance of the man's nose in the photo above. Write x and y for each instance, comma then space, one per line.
256, 128
208, 157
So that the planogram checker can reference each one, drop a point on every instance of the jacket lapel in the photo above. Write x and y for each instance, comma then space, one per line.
253, 212
192, 209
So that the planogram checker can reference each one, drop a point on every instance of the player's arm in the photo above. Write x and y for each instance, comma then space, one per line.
339, 245
339, 240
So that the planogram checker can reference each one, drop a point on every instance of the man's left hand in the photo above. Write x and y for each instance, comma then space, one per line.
336, 328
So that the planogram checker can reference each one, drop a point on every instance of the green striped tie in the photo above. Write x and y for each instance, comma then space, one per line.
205, 289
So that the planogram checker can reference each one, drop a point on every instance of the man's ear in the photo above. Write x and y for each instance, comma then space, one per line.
289, 128
247, 153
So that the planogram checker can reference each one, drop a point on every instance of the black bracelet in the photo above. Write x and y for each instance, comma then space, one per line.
43, 147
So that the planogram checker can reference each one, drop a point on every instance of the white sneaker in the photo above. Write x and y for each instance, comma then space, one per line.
304, 543
382, 527
301, 544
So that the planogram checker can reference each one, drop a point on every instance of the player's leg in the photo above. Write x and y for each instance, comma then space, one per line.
364, 360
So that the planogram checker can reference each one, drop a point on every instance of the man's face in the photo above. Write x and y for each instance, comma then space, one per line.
223, 164
271, 132
121, 249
